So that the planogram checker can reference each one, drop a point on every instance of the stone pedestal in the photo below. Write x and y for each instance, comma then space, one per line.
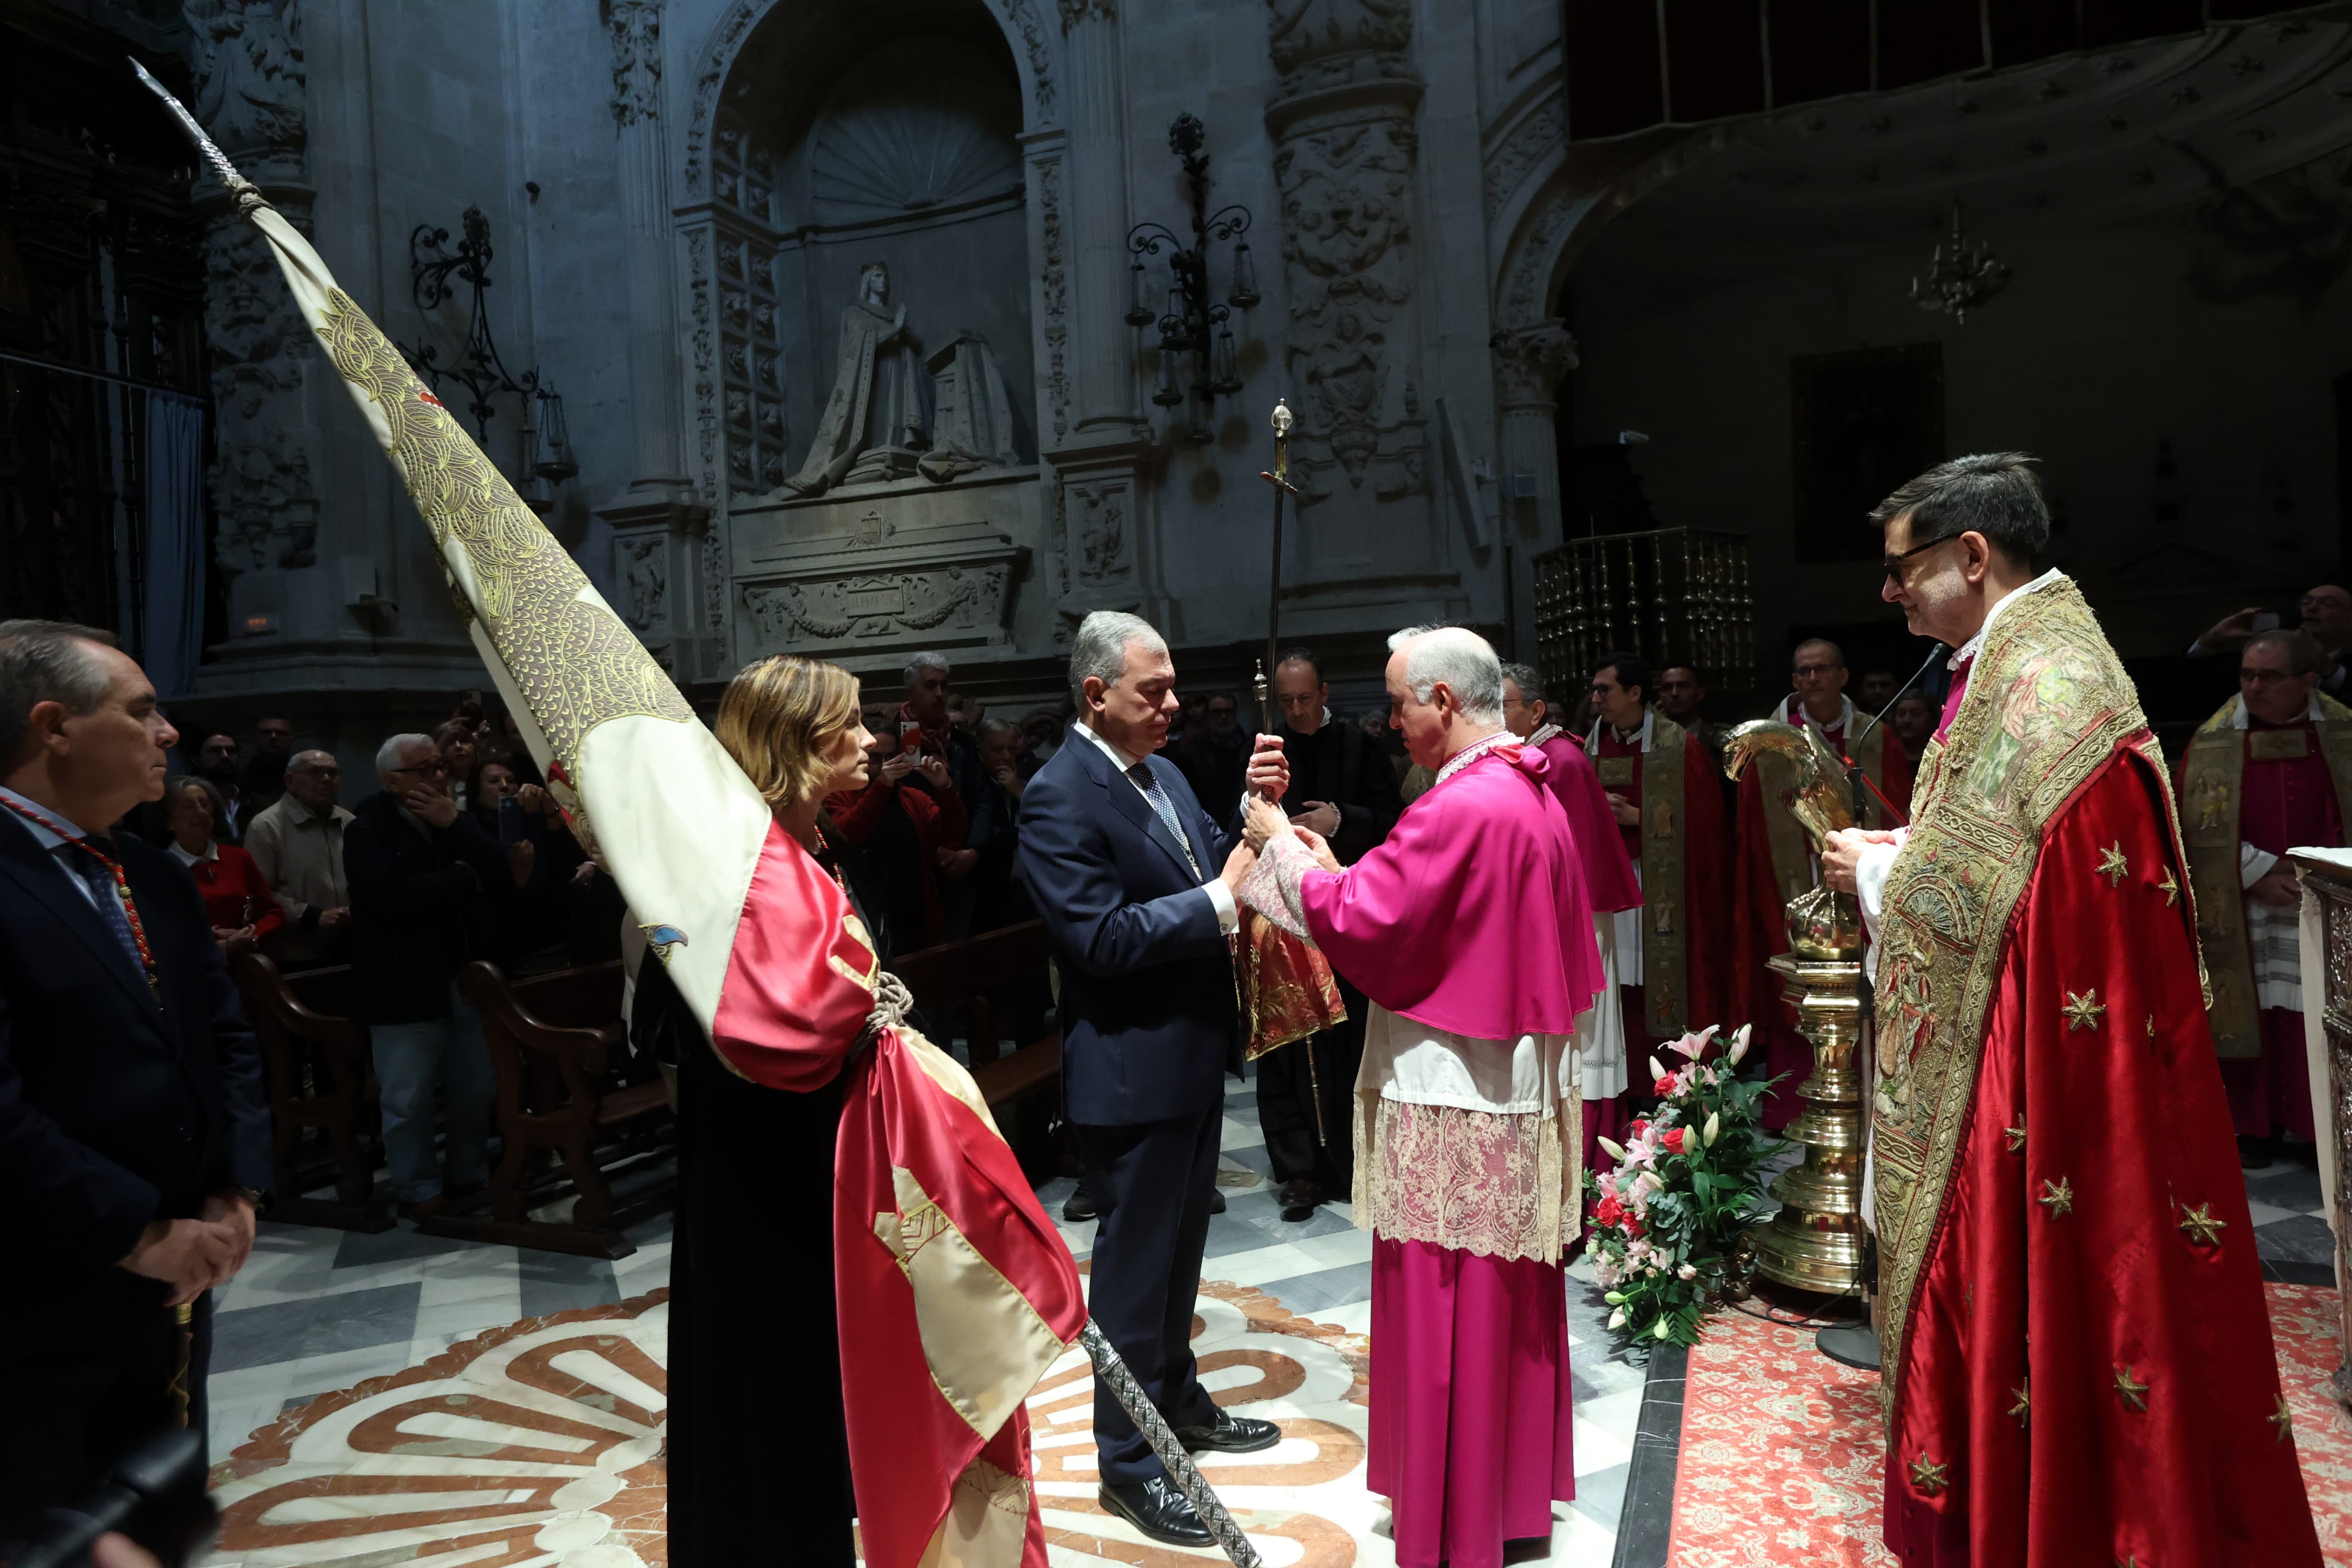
2327, 925
1816, 1242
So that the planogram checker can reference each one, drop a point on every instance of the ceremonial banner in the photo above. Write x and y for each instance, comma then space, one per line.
956, 1293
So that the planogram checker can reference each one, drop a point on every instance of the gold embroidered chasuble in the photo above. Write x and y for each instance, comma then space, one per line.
2210, 781
1665, 861
2047, 705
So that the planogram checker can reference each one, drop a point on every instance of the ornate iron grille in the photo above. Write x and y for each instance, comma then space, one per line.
1676, 595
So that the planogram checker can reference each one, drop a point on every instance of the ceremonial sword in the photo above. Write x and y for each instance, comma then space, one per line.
1110, 1367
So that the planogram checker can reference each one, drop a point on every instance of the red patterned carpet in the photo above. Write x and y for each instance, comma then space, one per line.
1781, 1459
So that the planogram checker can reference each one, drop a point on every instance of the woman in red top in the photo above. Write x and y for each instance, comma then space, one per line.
905, 829
237, 896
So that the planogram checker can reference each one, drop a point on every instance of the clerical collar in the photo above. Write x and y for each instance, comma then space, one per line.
1975, 644
1472, 752
1592, 741
2240, 718
1116, 754
1792, 712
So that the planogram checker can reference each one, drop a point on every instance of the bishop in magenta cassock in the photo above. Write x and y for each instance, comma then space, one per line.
2270, 773
1613, 887
2077, 1363
1472, 933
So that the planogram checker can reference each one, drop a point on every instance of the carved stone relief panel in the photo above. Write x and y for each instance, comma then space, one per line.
884, 570
1345, 153
246, 60
750, 386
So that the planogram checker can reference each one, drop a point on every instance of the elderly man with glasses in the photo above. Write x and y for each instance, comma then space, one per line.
2271, 771
427, 886
298, 845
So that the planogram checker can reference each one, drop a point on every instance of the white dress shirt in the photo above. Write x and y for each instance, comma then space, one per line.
1229, 914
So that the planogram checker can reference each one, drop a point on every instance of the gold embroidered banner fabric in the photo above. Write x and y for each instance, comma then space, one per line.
2211, 785
1665, 840
2047, 706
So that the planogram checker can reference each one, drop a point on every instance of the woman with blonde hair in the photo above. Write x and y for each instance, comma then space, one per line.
756, 1429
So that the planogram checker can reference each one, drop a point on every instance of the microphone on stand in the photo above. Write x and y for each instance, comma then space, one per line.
1856, 781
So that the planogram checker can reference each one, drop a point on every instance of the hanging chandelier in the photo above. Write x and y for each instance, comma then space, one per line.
1962, 275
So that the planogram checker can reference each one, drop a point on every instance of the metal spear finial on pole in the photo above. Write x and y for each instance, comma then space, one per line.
1279, 478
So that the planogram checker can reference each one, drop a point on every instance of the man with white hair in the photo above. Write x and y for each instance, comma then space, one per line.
1137, 887
1471, 931
427, 884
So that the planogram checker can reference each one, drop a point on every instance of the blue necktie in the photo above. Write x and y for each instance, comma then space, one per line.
1164, 808
95, 875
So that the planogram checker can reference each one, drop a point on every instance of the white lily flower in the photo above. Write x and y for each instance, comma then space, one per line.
1617, 1319
1657, 1069
1615, 1150
1661, 1329
1739, 1044
1714, 1126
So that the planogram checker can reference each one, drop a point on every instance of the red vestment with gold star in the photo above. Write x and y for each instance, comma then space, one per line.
2079, 1365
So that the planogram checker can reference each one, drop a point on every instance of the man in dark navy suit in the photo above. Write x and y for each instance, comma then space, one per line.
1136, 888
134, 1140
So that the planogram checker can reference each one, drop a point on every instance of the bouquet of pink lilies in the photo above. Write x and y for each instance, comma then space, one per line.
1668, 1227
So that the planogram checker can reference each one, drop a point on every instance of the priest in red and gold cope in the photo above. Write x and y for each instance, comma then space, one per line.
2076, 1350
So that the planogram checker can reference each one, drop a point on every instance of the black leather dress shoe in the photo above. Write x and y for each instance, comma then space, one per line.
1217, 1201
1298, 1197
1230, 1433
1156, 1508
1077, 1206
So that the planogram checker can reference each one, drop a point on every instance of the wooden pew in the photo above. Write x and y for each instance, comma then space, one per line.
979, 980
567, 1096
320, 1084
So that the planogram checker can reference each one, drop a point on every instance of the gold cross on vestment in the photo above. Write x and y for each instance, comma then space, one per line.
2283, 1420
2170, 889
2082, 1011
2016, 1134
2200, 1225
2023, 1408
1929, 1476
2058, 1196
2113, 866
2133, 1395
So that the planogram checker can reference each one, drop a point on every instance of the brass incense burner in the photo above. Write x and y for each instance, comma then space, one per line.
1816, 1241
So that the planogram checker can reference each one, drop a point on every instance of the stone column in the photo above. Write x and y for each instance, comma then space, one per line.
251, 88
660, 522
1343, 116
1529, 363
1103, 523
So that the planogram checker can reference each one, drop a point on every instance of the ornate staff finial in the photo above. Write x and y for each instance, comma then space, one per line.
204, 143
1282, 418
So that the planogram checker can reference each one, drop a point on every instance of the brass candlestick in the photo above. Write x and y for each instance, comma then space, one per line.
1816, 1241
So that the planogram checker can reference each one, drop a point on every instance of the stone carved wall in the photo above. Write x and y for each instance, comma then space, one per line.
246, 62
1530, 362
1345, 152
878, 604
636, 29
642, 565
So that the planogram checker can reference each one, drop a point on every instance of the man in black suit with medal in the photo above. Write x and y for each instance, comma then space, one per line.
1136, 888
134, 1138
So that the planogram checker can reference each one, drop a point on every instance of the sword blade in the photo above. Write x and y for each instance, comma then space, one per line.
204, 143
1111, 1368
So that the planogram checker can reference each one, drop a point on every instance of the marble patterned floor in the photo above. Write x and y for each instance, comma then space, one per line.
319, 1312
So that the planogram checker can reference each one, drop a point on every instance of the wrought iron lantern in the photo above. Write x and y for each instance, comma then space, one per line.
1198, 361
547, 456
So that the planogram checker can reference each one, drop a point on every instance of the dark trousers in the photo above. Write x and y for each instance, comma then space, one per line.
759, 1449
1307, 1134
1150, 1184
82, 1383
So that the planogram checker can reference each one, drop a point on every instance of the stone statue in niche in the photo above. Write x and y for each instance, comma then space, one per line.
873, 424
972, 418
879, 423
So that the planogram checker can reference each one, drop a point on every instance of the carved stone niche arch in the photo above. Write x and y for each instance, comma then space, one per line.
825, 135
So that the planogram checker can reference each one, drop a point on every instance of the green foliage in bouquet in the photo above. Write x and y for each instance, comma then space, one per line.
1667, 1228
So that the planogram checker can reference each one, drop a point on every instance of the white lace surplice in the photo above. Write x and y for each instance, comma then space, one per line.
1461, 1142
